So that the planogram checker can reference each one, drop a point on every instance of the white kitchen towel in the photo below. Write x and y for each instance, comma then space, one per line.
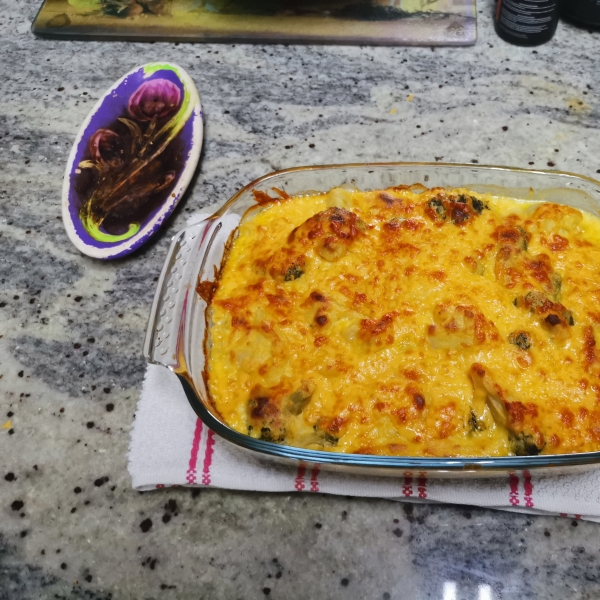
170, 446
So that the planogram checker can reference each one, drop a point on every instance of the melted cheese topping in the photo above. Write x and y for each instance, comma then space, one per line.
411, 322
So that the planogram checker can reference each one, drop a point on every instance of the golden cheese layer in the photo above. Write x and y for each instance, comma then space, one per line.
413, 322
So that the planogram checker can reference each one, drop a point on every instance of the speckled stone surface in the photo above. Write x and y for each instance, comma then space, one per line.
71, 328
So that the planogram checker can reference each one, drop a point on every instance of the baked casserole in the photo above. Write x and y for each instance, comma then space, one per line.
409, 322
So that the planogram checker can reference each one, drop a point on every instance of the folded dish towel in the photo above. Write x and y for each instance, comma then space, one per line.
170, 446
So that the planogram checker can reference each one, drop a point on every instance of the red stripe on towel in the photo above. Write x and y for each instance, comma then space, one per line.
314, 480
299, 482
422, 485
191, 472
513, 496
407, 488
208, 454
528, 487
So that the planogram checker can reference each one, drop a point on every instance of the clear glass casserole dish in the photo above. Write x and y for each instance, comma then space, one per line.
177, 325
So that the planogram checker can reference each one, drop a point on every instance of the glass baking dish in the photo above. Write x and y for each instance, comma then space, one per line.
177, 324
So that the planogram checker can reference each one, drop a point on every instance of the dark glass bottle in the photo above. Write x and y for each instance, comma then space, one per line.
586, 12
526, 22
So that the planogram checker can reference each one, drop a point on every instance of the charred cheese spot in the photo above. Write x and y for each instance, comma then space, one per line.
511, 236
321, 320
409, 321
554, 317
330, 232
461, 325
378, 331
556, 243
457, 209
264, 408
589, 347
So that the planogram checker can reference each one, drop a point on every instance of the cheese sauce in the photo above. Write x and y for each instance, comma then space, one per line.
411, 322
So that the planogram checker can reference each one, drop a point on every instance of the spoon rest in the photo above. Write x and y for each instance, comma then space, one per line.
133, 158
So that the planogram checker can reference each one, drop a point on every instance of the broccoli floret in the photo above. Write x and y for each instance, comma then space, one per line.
524, 238
523, 445
297, 401
438, 207
267, 435
478, 205
329, 440
325, 437
556, 286
474, 422
521, 339
294, 272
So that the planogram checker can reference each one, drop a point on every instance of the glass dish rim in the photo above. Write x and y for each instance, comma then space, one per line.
333, 166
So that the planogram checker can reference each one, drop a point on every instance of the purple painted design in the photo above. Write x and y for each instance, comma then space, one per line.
115, 104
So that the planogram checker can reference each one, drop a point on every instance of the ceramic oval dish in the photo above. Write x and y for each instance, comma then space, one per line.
133, 159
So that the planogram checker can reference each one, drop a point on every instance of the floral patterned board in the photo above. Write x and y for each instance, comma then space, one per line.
385, 22
132, 160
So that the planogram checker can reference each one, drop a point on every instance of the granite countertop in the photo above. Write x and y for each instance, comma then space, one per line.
72, 327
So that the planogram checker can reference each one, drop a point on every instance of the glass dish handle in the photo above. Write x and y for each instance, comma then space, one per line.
176, 284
